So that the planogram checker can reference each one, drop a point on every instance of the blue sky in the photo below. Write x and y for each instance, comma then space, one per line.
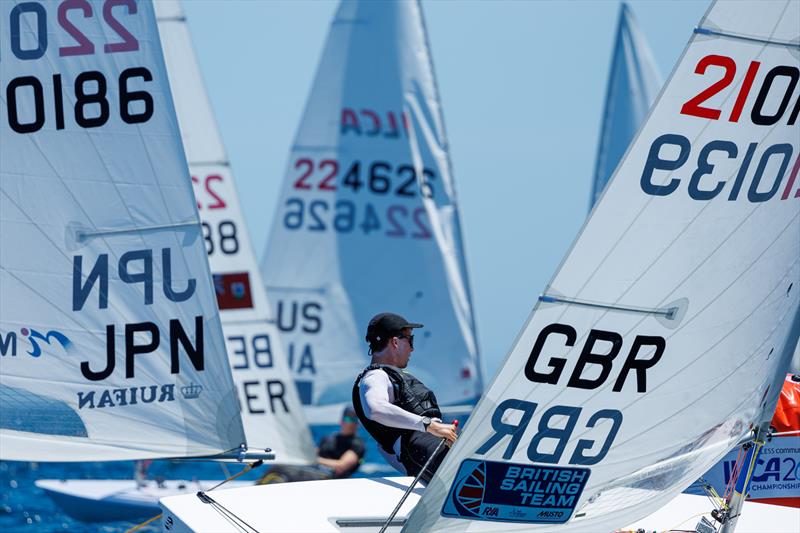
522, 86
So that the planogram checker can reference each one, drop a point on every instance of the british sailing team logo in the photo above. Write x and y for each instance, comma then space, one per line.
8, 342
508, 492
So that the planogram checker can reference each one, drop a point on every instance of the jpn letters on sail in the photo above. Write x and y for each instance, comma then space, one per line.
664, 337
111, 343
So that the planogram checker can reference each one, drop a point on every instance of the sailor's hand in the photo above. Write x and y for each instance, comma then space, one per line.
443, 431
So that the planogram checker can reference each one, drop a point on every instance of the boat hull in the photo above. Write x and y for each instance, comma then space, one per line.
111, 500
295, 507
328, 505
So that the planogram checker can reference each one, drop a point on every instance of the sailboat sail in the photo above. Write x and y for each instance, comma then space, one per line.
633, 84
367, 219
108, 324
664, 336
271, 410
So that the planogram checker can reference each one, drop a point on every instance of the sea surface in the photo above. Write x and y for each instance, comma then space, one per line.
24, 507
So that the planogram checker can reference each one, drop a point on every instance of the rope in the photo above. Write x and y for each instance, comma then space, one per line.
674, 530
143, 524
229, 515
207, 499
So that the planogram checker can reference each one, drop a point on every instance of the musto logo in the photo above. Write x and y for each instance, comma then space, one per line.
8, 342
507, 492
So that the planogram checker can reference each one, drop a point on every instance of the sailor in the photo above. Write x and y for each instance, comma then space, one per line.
396, 408
342, 452
338, 456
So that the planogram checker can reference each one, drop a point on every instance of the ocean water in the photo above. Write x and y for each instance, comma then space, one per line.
25, 508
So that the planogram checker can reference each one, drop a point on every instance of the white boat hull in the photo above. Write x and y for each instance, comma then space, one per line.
295, 507
338, 505
684, 512
111, 500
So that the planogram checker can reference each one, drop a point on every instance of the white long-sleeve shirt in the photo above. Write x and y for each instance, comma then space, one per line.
377, 395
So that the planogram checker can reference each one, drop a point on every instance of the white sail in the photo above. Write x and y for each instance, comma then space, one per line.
367, 218
633, 84
110, 333
271, 410
663, 338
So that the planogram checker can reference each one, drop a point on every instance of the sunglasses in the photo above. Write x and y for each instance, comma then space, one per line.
409, 337
349, 419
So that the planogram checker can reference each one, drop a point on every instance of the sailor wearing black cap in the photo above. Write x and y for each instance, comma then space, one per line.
397, 409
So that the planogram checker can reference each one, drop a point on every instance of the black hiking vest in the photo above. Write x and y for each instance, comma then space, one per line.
410, 394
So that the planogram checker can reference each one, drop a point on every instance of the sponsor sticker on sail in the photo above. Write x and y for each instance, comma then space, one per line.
510, 492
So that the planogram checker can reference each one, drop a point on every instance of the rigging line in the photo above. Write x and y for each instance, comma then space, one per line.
229, 515
665, 312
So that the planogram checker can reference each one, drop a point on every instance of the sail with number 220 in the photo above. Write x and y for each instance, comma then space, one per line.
663, 338
367, 219
111, 342
271, 410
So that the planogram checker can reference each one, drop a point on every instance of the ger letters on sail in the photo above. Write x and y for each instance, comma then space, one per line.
109, 331
663, 338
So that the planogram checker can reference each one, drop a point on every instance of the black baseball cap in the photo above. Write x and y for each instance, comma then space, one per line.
385, 325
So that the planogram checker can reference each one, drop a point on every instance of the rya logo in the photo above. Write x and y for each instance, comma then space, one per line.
8, 342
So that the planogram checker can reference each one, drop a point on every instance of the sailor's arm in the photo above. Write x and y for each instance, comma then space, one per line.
377, 395
348, 461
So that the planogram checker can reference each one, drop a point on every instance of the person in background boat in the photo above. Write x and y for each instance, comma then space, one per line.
396, 408
338, 456
342, 452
